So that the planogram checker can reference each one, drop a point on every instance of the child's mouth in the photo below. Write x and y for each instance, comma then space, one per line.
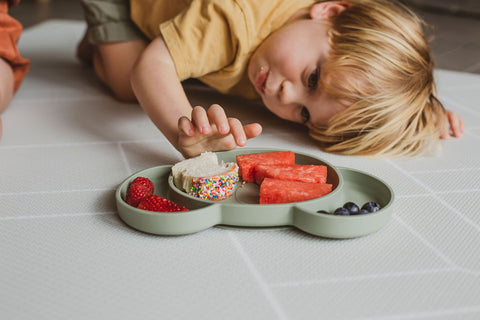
261, 81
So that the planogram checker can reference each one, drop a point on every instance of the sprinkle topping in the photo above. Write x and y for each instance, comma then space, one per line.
214, 188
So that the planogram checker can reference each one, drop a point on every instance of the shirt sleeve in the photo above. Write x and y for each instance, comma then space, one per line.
203, 38
10, 30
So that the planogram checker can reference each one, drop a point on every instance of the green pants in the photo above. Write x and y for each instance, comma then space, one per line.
109, 21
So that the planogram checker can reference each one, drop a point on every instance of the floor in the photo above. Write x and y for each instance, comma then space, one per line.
66, 254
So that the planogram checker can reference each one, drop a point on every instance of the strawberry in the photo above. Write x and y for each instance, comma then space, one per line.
144, 182
139, 188
160, 204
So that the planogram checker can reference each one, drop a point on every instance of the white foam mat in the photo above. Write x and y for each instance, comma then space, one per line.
65, 254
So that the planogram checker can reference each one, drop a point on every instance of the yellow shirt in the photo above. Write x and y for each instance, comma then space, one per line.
213, 40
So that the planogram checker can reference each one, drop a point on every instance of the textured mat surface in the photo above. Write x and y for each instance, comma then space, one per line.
65, 254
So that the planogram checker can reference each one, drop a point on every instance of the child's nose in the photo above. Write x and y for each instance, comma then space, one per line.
287, 94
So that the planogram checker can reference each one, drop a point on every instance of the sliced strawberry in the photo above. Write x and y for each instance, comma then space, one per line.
160, 204
139, 188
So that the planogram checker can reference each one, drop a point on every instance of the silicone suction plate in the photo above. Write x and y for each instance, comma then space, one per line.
242, 208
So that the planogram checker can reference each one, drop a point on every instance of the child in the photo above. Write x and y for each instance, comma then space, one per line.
358, 74
13, 67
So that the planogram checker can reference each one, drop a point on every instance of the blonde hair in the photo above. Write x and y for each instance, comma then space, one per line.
381, 65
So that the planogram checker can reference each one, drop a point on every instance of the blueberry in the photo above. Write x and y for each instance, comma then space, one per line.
371, 206
341, 212
352, 207
323, 211
363, 211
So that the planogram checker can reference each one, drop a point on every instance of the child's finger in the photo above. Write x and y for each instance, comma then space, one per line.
444, 135
200, 120
444, 130
186, 126
236, 129
452, 121
217, 115
456, 124
252, 130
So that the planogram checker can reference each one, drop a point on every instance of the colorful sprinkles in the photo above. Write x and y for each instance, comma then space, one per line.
214, 188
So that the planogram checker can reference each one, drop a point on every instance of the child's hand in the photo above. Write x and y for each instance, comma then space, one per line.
454, 128
212, 131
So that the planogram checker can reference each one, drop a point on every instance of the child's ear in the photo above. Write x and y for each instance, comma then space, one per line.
328, 9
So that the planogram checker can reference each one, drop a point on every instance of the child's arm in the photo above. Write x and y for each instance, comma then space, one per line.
6, 87
454, 127
190, 130
6, 84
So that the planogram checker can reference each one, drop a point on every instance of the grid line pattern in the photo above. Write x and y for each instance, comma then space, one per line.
65, 253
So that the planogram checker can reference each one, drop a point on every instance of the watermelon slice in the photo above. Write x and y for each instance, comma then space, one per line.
295, 172
247, 162
285, 191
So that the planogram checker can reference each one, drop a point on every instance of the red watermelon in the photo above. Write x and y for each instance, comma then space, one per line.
295, 172
247, 162
285, 191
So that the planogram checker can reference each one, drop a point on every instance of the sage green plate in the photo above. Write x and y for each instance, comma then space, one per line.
241, 210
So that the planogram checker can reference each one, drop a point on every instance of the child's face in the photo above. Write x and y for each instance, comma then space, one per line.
285, 70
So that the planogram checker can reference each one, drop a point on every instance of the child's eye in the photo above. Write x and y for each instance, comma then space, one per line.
305, 115
313, 79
